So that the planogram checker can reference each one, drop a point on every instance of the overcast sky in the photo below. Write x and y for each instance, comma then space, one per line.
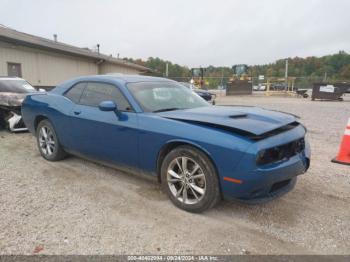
190, 32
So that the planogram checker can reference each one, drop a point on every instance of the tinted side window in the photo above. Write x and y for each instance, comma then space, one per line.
75, 92
95, 93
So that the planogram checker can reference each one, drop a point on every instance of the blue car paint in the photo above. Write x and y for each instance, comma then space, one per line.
259, 179
257, 120
135, 139
99, 139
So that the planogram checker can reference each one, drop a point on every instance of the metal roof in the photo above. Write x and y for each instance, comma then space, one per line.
13, 36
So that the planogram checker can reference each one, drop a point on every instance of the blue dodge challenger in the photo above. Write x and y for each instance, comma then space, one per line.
199, 153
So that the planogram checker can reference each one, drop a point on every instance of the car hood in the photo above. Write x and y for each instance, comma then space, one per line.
248, 120
12, 99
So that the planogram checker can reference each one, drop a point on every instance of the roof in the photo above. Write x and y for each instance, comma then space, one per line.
113, 79
121, 78
139, 78
13, 36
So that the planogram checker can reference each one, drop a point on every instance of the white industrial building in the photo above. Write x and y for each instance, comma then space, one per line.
45, 63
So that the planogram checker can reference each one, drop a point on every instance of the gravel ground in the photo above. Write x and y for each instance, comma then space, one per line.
78, 207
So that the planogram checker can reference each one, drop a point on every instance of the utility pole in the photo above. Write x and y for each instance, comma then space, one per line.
167, 69
286, 76
222, 77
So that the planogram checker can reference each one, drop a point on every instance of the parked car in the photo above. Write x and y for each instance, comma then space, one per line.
12, 92
278, 87
198, 152
262, 87
259, 87
206, 95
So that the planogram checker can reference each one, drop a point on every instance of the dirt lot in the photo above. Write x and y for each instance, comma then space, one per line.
77, 207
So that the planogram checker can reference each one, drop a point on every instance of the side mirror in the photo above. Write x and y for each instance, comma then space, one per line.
107, 106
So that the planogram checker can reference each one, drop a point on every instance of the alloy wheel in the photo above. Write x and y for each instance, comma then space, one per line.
46, 141
186, 180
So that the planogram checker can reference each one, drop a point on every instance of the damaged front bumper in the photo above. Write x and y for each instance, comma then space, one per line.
262, 183
15, 123
11, 119
10, 111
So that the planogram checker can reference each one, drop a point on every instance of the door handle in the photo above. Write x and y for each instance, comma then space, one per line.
77, 112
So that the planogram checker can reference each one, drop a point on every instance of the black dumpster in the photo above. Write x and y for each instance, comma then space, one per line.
328, 91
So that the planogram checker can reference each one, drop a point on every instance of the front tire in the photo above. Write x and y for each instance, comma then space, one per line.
48, 143
190, 180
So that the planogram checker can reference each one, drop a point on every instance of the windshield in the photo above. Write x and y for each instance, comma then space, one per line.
15, 86
164, 96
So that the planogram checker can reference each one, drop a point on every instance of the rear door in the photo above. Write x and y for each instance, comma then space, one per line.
105, 136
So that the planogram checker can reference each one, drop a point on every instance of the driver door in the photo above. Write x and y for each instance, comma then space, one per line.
105, 136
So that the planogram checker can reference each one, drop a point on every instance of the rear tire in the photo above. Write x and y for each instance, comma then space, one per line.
48, 143
190, 179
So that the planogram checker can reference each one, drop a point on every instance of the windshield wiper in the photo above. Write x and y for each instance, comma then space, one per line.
166, 109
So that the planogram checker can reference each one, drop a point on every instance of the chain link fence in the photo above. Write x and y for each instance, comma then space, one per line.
298, 82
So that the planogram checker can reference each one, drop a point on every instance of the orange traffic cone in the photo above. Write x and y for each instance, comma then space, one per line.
344, 151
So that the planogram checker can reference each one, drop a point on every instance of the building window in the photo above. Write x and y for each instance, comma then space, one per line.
14, 69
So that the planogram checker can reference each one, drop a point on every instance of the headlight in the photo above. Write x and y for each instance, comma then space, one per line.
280, 153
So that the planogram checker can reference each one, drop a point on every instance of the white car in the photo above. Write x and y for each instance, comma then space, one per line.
13, 90
262, 88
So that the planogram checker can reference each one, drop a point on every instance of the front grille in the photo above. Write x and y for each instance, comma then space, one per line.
280, 153
20, 124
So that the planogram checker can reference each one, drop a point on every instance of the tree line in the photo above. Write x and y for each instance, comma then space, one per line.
334, 67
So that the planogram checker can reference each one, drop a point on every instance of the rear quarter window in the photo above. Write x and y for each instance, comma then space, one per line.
75, 92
